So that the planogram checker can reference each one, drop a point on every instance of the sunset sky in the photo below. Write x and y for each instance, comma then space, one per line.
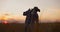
50, 9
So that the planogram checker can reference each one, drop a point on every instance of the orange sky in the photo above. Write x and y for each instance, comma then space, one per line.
50, 9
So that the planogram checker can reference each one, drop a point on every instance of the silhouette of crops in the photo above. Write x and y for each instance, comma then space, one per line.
18, 27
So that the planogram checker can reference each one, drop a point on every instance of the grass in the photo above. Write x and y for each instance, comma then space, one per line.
19, 27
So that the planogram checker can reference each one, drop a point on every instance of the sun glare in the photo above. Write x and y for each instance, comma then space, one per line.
6, 17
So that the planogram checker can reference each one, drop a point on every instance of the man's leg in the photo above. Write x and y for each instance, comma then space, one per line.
37, 25
26, 27
32, 26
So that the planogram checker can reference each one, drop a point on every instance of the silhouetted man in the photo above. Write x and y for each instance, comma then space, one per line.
28, 19
34, 14
31, 17
35, 18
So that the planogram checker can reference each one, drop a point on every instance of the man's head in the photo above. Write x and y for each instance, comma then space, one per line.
37, 9
26, 12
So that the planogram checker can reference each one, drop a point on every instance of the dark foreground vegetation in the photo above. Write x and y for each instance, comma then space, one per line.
19, 27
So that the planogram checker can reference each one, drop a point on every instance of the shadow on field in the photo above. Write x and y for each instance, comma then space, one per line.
43, 27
